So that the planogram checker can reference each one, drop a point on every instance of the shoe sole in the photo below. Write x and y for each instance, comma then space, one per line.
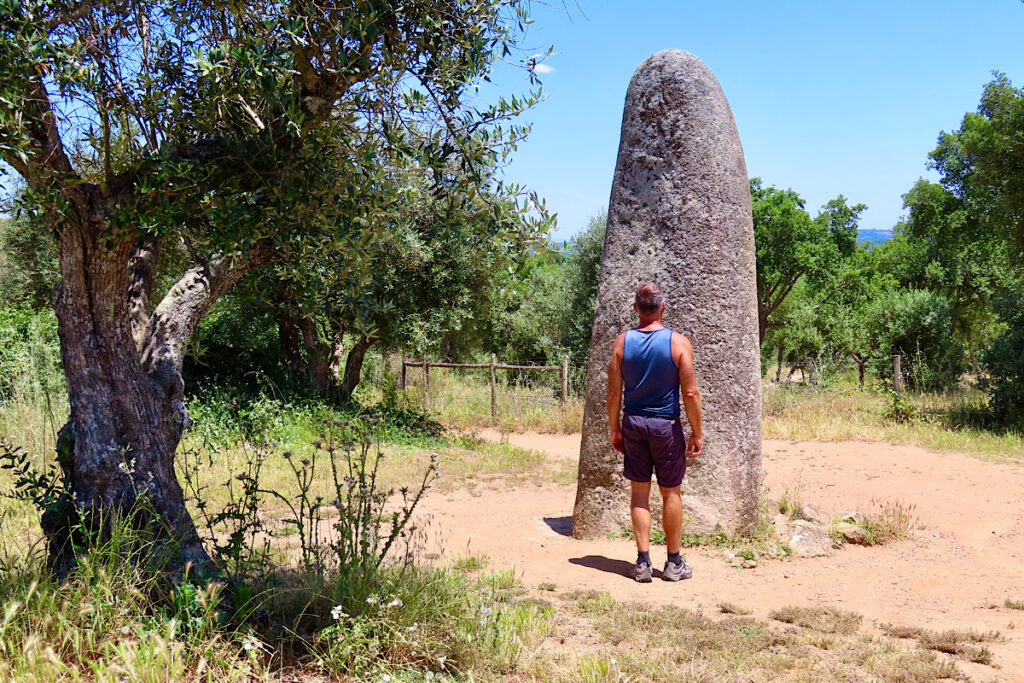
642, 579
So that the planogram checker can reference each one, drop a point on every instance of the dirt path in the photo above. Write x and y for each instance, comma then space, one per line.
968, 555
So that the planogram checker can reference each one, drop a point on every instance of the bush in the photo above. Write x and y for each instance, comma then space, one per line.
29, 354
1004, 363
918, 325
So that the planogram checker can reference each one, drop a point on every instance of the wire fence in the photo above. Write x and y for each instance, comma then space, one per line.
520, 385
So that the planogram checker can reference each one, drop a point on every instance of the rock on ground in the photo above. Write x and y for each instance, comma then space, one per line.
813, 514
808, 540
852, 533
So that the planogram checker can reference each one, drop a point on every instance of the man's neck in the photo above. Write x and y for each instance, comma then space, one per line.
650, 325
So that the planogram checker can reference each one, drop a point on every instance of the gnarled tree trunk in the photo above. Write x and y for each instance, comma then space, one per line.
354, 365
123, 370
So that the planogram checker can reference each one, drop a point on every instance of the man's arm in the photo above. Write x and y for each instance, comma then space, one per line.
682, 352
615, 392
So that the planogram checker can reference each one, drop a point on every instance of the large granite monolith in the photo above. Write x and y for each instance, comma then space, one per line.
679, 215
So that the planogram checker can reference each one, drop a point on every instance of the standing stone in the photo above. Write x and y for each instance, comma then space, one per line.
679, 215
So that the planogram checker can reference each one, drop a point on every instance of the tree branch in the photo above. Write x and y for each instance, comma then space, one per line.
174, 320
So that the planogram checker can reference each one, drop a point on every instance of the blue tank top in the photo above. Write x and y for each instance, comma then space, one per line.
650, 374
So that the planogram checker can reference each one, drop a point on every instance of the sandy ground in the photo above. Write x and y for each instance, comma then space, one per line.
967, 555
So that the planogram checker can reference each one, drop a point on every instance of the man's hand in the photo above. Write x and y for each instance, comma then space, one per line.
695, 445
616, 438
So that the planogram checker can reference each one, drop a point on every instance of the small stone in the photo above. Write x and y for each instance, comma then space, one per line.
852, 533
813, 514
809, 540
855, 517
749, 564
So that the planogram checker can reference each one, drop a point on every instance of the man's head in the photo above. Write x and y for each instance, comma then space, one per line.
650, 302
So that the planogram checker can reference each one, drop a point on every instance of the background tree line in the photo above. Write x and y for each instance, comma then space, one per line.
944, 291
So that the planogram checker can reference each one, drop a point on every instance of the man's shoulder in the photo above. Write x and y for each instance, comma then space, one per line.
680, 340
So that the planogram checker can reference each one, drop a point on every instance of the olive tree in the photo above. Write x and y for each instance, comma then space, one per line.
248, 133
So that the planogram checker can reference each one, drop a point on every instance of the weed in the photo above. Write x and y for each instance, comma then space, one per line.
1010, 603
730, 608
888, 521
471, 563
823, 619
901, 631
961, 643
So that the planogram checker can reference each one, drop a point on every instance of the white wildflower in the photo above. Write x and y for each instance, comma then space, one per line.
126, 630
385, 678
251, 644
397, 602
372, 600
338, 613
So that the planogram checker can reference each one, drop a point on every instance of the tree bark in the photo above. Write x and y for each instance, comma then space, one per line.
288, 340
123, 372
318, 356
354, 366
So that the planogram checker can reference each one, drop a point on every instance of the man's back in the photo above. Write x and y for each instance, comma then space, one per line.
650, 374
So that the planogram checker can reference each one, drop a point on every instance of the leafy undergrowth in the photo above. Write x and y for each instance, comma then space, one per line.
640, 642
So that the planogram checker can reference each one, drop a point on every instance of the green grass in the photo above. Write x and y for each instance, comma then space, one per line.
470, 563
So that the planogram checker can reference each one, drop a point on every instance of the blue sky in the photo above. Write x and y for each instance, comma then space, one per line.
829, 97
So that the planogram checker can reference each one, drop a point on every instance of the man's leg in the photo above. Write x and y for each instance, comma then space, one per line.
672, 517
640, 511
676, 568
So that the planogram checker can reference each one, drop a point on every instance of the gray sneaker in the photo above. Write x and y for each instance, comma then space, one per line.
676, 572
642, 572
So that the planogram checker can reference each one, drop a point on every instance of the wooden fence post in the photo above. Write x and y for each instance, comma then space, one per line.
897, 376
494, 386
565, 379
402, 387
426, 384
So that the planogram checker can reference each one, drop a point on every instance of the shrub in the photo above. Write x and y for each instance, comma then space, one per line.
1004, 363
917, 324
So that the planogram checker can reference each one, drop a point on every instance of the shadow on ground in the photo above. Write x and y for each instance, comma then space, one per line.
560, 525
605, 564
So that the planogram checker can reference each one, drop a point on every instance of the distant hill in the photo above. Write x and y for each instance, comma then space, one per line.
873, 236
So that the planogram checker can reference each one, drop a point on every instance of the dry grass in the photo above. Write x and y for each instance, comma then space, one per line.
888, 521
963, 644
462, 401
1010, 603
637, 642
823, 619
847, 413
730, 608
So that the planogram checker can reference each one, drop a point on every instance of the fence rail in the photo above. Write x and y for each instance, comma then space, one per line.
493, 366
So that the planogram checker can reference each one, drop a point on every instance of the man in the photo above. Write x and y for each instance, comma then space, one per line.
654, 363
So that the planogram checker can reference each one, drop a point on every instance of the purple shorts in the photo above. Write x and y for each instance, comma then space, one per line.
653, 444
